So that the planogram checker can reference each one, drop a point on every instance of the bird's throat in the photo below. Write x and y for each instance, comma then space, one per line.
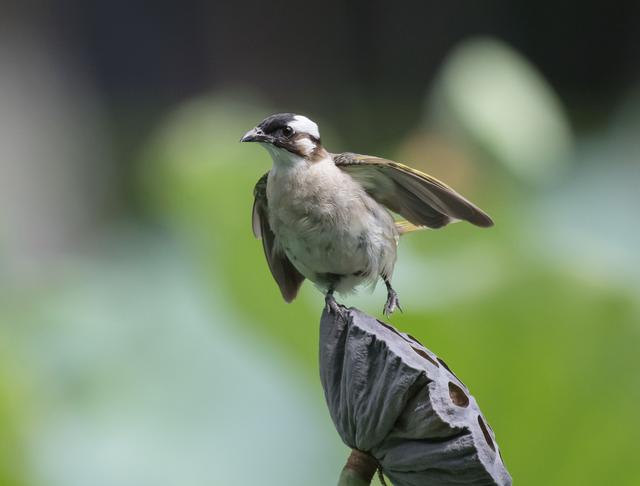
282, 158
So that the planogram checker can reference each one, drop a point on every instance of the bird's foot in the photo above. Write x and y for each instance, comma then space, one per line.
332, 305
393, 302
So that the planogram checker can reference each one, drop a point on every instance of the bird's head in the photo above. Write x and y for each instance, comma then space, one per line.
287, 137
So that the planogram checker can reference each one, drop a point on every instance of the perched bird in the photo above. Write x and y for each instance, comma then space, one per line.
326, 217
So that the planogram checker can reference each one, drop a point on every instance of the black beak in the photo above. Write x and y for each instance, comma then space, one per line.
255, 135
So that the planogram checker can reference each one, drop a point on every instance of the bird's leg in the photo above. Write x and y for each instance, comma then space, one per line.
393, 302
332, 306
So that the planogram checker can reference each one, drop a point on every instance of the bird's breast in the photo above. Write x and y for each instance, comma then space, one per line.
327, 224
317, 196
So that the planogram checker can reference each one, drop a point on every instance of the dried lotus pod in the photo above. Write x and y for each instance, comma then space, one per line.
395, 400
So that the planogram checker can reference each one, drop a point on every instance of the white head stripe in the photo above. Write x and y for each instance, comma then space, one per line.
303, 125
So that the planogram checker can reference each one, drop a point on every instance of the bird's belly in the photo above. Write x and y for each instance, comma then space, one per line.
339, 247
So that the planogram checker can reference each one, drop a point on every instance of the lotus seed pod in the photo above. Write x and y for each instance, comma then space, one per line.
394, 399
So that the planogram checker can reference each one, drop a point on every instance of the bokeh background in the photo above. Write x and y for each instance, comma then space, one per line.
142, 339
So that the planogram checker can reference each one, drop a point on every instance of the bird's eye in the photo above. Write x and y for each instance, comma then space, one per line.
287, 131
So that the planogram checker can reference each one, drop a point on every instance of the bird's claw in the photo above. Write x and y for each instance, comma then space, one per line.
392, 304
333, 307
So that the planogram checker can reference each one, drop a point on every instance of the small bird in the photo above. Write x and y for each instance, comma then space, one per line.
327, 217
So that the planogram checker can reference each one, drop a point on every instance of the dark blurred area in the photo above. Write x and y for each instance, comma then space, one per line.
142, 339
361, 64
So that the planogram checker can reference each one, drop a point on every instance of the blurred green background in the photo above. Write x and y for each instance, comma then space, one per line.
142, 339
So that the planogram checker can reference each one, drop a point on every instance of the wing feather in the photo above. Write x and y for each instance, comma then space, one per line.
405, 227
284, 273
422, 199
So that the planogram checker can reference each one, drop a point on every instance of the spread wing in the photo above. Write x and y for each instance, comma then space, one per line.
285, 274
420, 198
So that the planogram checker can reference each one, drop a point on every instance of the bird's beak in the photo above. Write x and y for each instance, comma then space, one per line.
255, 135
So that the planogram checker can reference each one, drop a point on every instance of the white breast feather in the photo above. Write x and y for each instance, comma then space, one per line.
329, 224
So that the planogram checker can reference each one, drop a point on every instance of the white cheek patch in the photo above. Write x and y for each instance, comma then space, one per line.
302, 124
305, 145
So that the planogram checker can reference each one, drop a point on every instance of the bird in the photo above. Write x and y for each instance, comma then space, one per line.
328, 217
